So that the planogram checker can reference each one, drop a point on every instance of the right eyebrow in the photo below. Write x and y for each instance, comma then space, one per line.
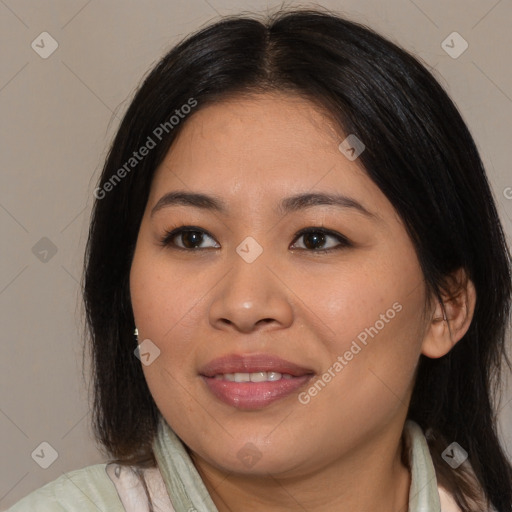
193, 199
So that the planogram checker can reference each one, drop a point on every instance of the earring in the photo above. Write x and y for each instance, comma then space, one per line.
136, 333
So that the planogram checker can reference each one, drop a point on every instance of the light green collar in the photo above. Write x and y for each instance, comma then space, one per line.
423, 493
184, 484
188, 492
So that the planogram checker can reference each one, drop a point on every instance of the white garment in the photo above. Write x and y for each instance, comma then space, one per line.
176, 486
424, 494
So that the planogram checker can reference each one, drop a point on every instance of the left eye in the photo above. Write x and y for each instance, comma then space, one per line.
314, 239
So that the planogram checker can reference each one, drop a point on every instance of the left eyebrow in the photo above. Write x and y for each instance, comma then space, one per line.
303, 201
287, 205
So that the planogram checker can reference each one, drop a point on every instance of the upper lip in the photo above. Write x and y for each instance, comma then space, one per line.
251, 363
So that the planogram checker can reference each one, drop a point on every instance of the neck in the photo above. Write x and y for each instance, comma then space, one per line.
371, 478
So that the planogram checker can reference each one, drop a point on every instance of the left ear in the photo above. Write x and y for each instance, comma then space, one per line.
451, 319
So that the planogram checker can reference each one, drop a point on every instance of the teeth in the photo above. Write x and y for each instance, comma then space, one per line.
258, 376
253, 377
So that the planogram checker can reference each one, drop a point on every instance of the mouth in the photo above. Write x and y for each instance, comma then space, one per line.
253, 382
242, 364
253, 376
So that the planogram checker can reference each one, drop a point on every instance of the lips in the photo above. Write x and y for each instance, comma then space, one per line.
250, 395
252, 363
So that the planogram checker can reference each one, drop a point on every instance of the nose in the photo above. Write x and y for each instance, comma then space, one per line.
250, 297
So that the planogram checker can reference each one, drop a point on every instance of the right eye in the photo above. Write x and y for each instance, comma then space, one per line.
190, 237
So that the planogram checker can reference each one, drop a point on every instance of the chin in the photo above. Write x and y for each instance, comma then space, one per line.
251, 460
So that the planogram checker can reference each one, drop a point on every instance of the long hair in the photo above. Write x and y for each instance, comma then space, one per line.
420, 154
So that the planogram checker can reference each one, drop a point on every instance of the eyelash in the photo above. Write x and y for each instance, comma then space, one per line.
169, 235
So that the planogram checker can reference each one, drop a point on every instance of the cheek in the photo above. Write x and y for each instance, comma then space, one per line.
163, 305
166, 299
372, 317
365, 298
370, 372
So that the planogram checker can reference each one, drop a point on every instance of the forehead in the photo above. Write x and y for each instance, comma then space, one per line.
265, 146
270, 128
269, 114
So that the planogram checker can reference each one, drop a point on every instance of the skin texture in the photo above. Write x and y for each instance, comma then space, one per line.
340, 451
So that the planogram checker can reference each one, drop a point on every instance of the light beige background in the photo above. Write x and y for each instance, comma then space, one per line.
58, 116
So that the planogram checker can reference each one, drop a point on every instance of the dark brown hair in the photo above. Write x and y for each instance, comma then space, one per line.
420, 154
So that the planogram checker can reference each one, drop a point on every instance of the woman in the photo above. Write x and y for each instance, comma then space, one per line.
296, 284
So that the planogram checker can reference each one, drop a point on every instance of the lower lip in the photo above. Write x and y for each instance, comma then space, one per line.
253, 395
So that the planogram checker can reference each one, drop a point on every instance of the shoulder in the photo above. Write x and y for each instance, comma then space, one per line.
86, 489
448, 504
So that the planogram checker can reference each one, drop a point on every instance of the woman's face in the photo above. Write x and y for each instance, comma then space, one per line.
247, 286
